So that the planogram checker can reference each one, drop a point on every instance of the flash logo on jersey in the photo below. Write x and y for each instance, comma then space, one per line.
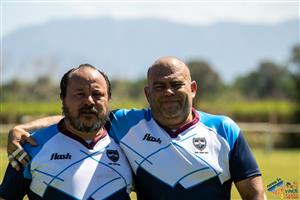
56, 156
199, 143
113, 155
149, 137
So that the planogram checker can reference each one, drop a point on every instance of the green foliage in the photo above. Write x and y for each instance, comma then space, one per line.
126, 89
268, 81
43, 89
209, 83
295, 58
14, 112
127, 104
253, 111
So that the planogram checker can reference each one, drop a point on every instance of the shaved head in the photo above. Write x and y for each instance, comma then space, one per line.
170, 91
169, 63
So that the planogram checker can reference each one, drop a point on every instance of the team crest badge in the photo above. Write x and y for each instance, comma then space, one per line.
113, 155
199, 143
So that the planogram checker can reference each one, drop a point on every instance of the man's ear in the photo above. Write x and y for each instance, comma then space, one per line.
147, 92
194, 88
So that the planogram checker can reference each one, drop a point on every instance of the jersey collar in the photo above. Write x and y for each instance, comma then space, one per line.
62, 128
174, 133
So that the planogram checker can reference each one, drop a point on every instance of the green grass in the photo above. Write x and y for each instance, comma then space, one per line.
260, 111
242, 110
284, 164
31, 108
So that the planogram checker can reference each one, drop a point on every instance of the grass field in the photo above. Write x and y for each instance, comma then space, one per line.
283, 164
242, 110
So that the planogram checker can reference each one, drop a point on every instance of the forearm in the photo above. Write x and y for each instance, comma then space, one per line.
251, 189
258, 195
38, 123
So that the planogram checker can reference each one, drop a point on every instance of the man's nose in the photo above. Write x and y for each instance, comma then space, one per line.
169, 91
89, 100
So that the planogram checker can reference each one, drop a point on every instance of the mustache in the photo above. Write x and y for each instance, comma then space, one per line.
88, 109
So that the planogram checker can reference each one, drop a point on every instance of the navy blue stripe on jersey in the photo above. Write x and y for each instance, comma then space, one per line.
15, 178
158, 190
242, 163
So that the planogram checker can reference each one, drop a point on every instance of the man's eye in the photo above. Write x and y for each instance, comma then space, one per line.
159, 87
79, 94
177, 85
97, 95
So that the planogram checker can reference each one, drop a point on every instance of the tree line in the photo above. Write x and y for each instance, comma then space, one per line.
270, 80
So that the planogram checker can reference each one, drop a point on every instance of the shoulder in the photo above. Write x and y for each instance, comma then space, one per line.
132, 113
44, 134
41, 136
222, 125
122, 120
131, 117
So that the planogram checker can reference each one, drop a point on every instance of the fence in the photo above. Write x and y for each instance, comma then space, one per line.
270, 130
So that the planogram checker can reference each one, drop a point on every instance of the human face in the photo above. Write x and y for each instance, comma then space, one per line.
86, 103
170, 92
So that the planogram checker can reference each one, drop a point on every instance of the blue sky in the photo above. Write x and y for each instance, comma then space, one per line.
22, 13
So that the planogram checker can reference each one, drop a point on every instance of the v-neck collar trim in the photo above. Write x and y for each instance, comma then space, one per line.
62, 128
174, 134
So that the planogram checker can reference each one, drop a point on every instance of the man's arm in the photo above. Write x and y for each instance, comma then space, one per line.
20, 135
251, 188
14, 185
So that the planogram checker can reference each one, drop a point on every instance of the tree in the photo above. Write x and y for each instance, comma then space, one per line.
42, 89
208, 81
295, 60
268, 81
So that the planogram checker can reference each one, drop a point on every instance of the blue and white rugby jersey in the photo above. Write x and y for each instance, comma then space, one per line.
65, 167
198, 161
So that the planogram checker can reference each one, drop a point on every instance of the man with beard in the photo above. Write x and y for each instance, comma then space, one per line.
177, 152
75, 158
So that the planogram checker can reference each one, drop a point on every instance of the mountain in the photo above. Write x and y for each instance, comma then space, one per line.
125, 48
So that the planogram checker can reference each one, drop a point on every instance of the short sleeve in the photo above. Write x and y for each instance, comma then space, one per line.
242, 163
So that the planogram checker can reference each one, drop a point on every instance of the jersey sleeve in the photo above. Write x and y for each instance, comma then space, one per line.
242, 163
121, 120
14, 185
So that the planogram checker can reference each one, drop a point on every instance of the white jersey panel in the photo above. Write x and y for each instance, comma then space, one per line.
67, 165
157, 153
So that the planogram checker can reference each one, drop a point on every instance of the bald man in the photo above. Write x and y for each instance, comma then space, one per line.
175, 151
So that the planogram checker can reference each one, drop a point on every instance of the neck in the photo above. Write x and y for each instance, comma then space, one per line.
180, 124
83, 135
176, 122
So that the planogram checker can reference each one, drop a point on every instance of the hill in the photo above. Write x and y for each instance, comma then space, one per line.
125, 49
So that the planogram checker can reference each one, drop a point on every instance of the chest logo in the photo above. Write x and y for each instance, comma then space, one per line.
200, 143
113, 155
150, 138
56, 156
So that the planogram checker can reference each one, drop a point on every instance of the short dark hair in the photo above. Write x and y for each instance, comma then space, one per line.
66, 76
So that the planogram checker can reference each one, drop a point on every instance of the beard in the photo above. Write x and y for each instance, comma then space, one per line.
82, 127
